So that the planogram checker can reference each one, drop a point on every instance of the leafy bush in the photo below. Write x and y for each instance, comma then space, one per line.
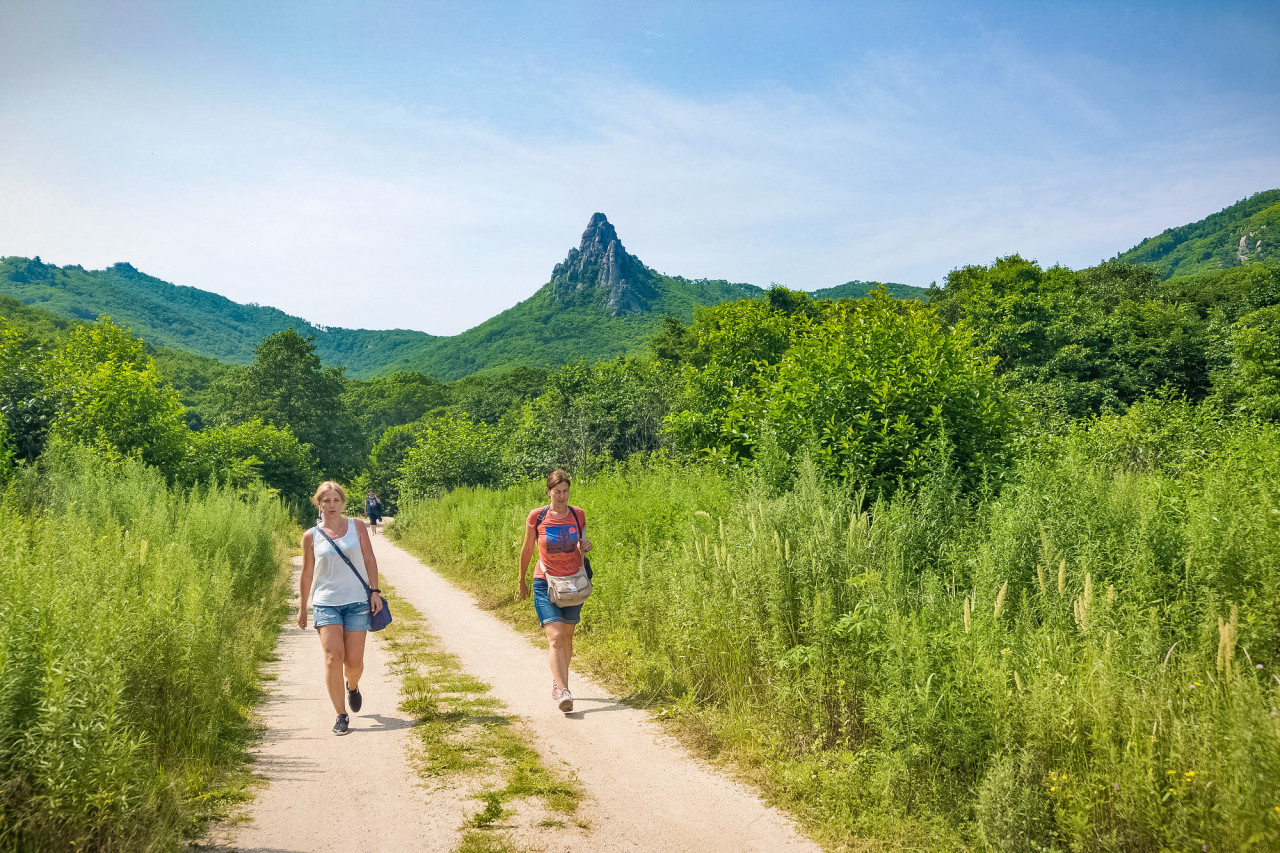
451, 452
109, 396
871, 388
26, 401
6, 450
1252, 383
252, 452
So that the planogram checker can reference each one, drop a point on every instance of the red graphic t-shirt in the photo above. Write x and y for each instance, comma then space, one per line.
558, 538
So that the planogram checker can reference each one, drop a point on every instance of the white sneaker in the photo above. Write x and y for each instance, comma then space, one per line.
566, 701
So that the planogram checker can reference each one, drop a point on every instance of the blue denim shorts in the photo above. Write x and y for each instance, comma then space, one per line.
548, 610
352, 617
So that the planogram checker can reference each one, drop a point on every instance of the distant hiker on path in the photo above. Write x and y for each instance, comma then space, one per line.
373, 510
557, 530
341, 606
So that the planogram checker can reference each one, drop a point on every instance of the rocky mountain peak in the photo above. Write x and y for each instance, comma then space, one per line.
601, 266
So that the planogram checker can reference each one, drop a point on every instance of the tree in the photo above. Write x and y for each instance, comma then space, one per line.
254, 451
386, 460
1251, 385
451, 452
109, 396
387, 401
286, 386
591, 414
735, 345
871, 390
487, 398
26, 401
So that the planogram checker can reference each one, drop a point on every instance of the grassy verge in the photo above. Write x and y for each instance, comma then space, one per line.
133, 623
1086, 660
468, 738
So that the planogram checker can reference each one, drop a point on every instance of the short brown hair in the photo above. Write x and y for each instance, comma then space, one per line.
329, 486
557, 477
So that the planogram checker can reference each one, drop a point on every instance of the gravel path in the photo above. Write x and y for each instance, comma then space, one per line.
644, 792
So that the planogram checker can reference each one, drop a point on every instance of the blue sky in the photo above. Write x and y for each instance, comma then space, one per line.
424, 165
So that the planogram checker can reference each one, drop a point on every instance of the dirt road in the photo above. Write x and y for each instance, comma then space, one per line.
643, 791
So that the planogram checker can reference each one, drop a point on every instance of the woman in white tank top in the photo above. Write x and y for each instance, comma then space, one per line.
340, 607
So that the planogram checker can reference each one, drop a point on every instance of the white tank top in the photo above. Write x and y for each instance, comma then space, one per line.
333, 583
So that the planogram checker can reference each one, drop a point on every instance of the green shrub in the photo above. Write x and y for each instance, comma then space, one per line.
873, 387
252, 452
451, 452
111, 398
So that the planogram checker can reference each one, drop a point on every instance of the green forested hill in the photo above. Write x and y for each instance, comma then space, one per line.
601, 302
1245, 232
187, 318
539, 331
544, 330
860, 289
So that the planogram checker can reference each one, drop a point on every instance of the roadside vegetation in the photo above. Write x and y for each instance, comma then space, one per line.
141, 589
1086, 660
996, 569
133, 622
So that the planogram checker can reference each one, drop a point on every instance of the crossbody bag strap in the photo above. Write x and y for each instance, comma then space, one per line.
367, 589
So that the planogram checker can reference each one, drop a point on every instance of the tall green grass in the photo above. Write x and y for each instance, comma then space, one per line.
1087, 660
133, 621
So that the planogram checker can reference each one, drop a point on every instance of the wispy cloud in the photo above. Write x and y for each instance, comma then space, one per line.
356, 210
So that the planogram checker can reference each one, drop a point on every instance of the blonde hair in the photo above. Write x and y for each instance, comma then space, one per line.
329, 486
557, 477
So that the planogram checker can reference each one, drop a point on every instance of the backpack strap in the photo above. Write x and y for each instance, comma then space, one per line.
542, 514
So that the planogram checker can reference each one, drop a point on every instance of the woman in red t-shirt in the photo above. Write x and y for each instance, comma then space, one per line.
556, 530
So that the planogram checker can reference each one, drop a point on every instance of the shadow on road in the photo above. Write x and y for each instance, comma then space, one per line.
381, 723
600, 705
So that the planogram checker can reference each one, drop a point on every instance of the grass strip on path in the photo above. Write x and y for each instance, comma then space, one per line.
470, 739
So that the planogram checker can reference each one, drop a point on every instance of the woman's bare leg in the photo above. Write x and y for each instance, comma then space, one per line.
560, 651
334, 648
353, 659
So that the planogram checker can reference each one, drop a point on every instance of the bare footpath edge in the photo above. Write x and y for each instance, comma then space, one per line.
326, 793
644, 791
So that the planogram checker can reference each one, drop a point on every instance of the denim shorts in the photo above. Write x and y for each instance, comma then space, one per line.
548, 610
352, 617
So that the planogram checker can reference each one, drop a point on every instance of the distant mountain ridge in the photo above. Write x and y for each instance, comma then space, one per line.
1246, 232
600, 302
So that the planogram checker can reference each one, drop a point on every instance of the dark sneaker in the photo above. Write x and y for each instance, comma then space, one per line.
354, 700
340, 727
566, 701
